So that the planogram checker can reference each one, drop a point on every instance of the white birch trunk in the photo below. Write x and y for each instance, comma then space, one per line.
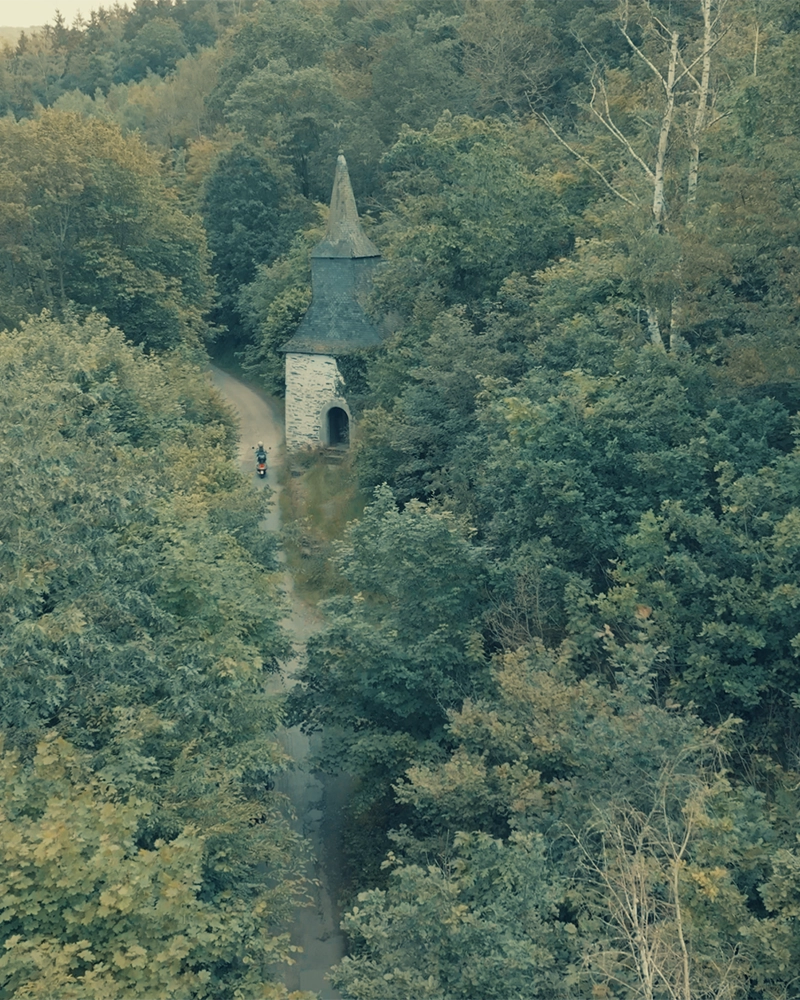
659, 201
675, 336
654, 328
702, 102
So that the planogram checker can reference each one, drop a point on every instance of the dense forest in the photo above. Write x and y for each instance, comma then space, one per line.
562, 656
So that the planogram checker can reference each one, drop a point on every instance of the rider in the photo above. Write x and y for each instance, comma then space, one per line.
261, 455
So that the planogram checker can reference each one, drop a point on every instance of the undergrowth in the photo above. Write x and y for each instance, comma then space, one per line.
316, 506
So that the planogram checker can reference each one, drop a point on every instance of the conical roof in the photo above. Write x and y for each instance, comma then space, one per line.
344, 236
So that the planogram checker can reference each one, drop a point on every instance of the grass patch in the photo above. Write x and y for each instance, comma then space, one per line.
318, 499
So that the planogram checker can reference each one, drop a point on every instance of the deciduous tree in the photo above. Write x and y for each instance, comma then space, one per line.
89, 913
87, 218
141, 620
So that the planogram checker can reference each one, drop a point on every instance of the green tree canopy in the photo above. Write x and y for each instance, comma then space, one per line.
141, 620
580, 838
398, 652
87, 218
155, 48
250, 217
89, 913
466, 214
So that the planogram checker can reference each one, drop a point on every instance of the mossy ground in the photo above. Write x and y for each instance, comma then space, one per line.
318, 499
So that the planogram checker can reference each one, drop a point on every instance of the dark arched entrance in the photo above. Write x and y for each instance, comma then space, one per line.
338, 427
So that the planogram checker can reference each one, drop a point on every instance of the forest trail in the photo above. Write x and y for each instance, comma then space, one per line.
317, 799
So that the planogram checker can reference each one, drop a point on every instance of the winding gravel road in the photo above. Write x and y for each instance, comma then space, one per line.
317, 799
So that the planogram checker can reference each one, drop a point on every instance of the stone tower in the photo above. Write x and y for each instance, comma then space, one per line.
334, 326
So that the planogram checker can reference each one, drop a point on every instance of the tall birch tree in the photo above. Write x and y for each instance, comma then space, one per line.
678, 56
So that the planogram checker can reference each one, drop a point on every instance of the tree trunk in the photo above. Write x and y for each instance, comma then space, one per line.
675, 336
659, 201
686, 982
653, 328
702, 103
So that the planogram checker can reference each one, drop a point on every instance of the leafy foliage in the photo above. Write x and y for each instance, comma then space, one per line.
398, 652
116, 45
584, 417
655, 865
438, 931
90, 913
402, 648
86, 218
272, 306
141, 621
248, 220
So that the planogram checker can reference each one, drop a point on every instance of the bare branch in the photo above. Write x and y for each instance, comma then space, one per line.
643, 57
667, 33
609, 123
702, 102
719, 118
755, 51
687, 72
578, 156
702, 55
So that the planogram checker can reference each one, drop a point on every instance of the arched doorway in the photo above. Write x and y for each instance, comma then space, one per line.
338, 427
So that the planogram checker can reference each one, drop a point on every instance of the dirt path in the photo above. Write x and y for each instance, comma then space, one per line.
316, 798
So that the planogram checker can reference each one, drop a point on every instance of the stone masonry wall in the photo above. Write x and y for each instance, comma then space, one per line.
313, 386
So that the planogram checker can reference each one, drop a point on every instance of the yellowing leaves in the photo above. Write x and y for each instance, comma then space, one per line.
710, 880
133, 957
72, 864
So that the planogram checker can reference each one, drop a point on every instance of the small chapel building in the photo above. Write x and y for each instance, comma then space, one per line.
335, 326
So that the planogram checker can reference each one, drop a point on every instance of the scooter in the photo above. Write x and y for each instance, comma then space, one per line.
261, 459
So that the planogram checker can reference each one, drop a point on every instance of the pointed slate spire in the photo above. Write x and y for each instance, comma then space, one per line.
341, 268
344, 236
